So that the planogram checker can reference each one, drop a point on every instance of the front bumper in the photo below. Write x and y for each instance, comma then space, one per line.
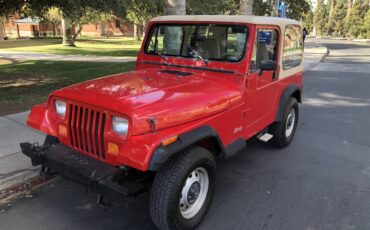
108, 181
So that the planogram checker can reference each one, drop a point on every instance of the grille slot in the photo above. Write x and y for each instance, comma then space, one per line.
86, 129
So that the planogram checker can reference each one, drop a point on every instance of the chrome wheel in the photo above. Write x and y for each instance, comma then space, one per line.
194, 193
289, 126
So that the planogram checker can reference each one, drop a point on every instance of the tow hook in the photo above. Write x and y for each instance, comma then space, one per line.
33, 151
47, 172
103, 203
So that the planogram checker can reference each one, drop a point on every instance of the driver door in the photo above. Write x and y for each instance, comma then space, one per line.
262, 85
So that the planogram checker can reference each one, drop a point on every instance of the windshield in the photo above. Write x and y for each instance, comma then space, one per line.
206, 42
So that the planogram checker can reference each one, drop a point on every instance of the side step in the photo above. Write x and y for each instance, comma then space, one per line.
234, 147
265, 137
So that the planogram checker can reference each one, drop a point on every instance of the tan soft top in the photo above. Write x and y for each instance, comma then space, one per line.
259, 20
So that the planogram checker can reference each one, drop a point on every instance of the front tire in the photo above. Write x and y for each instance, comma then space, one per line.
283, 131
183, 190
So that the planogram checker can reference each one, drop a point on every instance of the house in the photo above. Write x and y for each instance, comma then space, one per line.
34, 27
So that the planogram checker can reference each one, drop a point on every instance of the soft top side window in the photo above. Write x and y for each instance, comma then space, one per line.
293, 47
265, 48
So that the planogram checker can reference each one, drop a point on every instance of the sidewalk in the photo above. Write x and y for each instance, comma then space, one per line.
15, 168
23, 56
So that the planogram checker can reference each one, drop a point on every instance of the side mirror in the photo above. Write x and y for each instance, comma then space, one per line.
268, 65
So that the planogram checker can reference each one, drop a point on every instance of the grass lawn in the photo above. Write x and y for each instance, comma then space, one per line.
24, 84
123, 46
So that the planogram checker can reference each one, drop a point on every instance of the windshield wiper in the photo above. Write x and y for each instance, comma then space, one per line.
196, 54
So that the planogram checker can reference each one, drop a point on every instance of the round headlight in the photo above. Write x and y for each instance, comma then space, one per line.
120, 125
60, 107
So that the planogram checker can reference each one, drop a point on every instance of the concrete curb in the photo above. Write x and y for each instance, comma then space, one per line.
15, 168
325, 55
18, 178
314, 55
364, 40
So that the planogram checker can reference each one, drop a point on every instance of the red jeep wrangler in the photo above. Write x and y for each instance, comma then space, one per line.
203, 85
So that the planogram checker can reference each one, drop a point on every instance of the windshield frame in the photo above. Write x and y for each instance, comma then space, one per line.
226, 24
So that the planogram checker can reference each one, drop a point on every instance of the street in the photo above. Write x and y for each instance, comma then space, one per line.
321, 181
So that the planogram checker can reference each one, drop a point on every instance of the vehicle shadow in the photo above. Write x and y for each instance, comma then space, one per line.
65, 205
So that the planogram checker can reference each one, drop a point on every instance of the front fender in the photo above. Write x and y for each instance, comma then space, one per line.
163, 153
41, 119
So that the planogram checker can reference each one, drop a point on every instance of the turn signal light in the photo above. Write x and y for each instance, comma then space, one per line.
113, 149
62, 130
169, 140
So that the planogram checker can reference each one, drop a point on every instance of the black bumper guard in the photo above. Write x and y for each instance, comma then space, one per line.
111, 183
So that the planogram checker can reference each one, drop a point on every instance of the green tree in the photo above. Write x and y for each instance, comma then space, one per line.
297, 9
339, 15
72, 11
174, 7
246, 7
307, 21
331, 22
262, 8
53, 16
220, 7
320, 17
140, 12
356, 17
366, 26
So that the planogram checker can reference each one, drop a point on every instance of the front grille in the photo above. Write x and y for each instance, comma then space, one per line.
86, 129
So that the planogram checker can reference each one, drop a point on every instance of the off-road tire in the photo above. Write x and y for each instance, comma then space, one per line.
278, 129
168, 184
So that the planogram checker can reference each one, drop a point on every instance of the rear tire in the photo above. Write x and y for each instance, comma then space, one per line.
183, 190
283, 131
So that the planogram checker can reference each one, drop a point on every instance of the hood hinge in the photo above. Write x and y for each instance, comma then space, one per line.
153, 124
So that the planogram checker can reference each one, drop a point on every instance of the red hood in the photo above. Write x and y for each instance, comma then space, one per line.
171, 99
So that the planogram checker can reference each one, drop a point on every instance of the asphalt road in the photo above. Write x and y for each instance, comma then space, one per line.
321, 181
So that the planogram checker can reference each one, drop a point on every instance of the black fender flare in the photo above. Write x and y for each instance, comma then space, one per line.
163, 153
289, 91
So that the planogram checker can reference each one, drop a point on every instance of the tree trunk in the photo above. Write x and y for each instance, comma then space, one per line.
330, 22
67, 30
54, 31
137, 32
246, 7
350, 3
103, 31
2, 29
275, 8
172, 7
77, 33
332, 5
175, 7
18, 33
